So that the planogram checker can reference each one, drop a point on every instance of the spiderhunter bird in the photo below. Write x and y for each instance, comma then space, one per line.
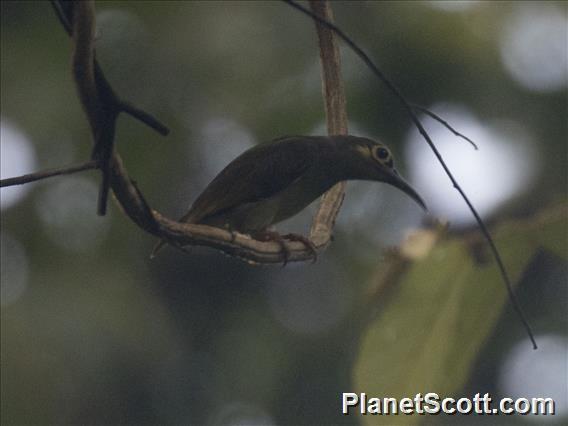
276, 180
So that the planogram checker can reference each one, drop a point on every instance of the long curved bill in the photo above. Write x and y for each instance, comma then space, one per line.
405, 187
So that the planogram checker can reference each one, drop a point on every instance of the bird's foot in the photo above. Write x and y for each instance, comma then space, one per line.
267, 235
307, 243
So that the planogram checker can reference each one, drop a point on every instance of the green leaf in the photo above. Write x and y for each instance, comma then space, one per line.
442, 308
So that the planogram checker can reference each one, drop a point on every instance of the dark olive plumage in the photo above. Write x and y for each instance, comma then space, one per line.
273, 181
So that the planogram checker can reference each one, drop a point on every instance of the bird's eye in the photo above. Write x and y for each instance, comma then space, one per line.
383, 155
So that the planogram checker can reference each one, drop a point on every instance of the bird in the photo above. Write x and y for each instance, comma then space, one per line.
274, 181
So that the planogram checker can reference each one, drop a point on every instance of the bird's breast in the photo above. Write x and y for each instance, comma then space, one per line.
259, 215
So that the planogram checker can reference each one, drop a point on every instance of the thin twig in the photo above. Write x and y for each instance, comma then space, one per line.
62, 15
409, 109
444, 123
44, 174
144, 117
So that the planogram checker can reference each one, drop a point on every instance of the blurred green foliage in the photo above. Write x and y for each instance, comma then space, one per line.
443, 309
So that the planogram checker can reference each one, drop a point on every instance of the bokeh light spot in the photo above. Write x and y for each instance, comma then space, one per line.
534, 46
543, 373
67, 208
241, 414
452, 5
17, 157
221, 141
503, 166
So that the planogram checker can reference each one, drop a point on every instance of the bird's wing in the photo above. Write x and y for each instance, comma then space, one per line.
257, 174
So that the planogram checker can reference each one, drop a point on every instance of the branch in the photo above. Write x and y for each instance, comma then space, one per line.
102, 106
63, 13
445, 123
144, 117
100, 103
32, 177
336, 115
409, 110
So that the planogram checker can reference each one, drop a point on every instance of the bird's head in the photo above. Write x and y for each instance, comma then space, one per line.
366, 159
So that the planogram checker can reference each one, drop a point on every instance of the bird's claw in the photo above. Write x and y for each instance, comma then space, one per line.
307, 243
277, 238
281, 241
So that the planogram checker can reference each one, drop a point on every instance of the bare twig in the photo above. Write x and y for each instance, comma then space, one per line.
63, 13
144, 117
445, 124
44, 174
409, 109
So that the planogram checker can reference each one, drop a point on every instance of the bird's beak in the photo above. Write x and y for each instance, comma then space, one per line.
401, 184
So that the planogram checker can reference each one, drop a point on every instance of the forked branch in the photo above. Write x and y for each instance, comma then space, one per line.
102, 106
